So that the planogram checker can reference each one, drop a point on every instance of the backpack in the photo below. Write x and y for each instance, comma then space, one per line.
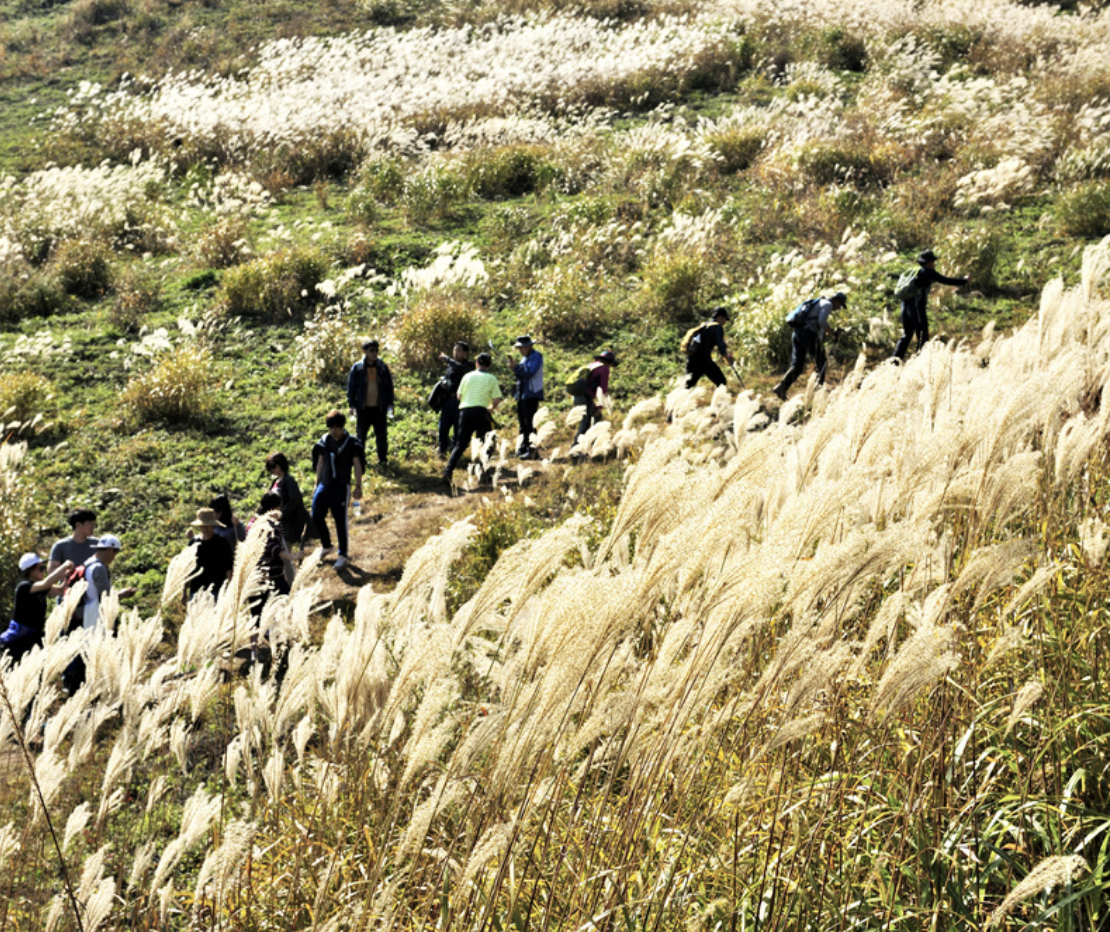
578, 385
907, 287
691, 340
439, 395
800, 315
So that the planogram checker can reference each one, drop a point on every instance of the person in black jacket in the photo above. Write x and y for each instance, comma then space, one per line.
915, 299
370, 398
28, 622
458, 365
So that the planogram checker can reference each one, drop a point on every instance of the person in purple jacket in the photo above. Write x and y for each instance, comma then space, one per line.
597, 380
914, 299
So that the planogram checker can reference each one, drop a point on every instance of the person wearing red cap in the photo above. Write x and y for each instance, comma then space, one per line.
597, 389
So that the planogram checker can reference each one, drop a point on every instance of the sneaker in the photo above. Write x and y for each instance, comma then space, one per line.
324, 551
341, 562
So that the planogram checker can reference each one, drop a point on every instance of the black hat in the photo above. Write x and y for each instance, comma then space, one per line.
721, 311
926, 257
524, 342
841, 297
606, 356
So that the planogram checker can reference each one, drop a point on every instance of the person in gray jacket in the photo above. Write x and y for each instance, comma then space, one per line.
810, 329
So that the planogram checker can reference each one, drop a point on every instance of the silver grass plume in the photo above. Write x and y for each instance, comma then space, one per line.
222, 864
1025, 699
1051, 872
9, 844
925, 658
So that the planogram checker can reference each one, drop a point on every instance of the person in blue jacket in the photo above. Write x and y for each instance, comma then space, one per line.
528, 392
370, 398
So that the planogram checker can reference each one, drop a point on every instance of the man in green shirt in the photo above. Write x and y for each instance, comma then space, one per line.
479, 393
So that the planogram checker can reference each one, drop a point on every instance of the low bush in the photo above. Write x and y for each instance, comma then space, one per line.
1085, 211
23, 395
736, 147
971, 251
508, 171
841, 50
138, 295
276, 285
325, 347
565, 303
179, 388
435, 193
225, 243
28, 292
83, 267
432, 325
675, 285
835, 163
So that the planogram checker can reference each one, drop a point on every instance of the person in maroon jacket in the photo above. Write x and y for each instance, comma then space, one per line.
597, 379
914, 318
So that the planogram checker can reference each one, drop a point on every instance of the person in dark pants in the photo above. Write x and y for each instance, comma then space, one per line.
370, 398
479, 394
529, 393
334, 457
458, 365
915, 320
28, 621
597, 380
295, 522
809, 340
214, 559
699, 351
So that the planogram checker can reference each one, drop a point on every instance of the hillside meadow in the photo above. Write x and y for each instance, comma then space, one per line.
834, 664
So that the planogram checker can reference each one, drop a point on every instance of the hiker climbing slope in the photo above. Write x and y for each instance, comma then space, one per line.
699, 343
810, 322
913, 290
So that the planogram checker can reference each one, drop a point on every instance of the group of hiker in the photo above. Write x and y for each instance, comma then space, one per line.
465, 399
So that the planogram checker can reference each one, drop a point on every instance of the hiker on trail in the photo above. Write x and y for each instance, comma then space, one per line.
98, 578
810, 321
528, 393
479, 394
370, 398
79, 546
699, 343
458, 365
28, 621
214, 560
913, 290
230, 528
334, 457
295, 519
275, 558
595, 385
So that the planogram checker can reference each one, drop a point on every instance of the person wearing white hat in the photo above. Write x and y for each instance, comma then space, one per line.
98, 577
28, 622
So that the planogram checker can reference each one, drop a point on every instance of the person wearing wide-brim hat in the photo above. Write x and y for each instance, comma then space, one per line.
699, 344
214, 559
528, 393
28, 621
915, 298
596, 390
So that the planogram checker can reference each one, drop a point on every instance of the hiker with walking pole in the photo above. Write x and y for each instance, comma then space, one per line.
913, 291
698, 345
810, 322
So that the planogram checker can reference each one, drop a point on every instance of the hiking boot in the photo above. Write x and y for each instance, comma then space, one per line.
341, 562
780, 391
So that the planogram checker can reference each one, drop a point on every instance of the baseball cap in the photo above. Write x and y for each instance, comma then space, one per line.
28, 560
109, 542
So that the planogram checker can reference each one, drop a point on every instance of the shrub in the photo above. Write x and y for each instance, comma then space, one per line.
24, 395
564, 304
736, 147
841, 51
325, 347
84, 268
224, 244
28, 292
275, 285
179, 388
675, 284
434, 193
835, 163
1085, 211
973, 252
432, 325
508, 171
138, 295
87, 15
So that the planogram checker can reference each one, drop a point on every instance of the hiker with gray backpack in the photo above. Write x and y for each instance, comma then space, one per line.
913, 291
810, 323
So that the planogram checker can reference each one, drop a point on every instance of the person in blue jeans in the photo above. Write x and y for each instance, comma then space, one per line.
529, 393
334, 457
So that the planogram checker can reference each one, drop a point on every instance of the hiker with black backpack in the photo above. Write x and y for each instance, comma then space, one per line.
589, 385
446, 393
699, 343
810, 323
913, 291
